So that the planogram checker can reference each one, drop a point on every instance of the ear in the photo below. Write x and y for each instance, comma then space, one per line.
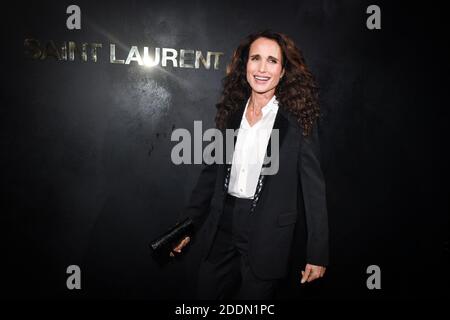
282, 73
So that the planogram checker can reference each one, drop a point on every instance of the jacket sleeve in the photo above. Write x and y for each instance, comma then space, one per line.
200, 199
314, 197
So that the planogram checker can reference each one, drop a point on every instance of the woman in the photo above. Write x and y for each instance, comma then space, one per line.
250, 216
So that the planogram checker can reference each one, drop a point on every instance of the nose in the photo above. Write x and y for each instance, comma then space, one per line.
262, 66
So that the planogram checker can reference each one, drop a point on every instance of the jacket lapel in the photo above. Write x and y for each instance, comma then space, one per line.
233, 123
281, 124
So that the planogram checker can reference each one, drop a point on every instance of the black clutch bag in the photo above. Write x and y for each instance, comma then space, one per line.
163, 245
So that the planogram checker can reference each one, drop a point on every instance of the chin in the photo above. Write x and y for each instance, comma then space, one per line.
259, 89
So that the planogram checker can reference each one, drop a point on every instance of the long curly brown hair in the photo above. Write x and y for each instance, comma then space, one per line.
296, 92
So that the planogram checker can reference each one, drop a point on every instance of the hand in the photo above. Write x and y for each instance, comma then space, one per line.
180, 246
312, 272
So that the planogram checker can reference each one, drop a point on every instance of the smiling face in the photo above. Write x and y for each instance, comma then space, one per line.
264, 65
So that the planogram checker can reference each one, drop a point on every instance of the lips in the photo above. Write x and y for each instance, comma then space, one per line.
261, 79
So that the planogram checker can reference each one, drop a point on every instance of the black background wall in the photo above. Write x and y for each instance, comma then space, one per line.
86, 172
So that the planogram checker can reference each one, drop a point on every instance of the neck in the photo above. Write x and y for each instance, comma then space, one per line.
259, 100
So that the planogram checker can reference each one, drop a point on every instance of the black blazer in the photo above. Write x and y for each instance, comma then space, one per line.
296, 190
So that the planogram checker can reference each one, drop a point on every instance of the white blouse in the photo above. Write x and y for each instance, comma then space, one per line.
250, 150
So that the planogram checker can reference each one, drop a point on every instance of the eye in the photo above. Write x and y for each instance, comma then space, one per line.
255, 58
273, 60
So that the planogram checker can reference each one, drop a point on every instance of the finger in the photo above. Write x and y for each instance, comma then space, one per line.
308, 270
317, 272
181, 245
322, 272
313, 276
305, 274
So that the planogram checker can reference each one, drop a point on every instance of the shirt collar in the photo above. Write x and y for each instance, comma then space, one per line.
272, 105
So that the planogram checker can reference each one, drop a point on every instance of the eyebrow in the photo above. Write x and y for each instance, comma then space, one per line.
257, 55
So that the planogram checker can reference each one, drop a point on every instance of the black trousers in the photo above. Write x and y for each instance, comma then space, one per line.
226, 273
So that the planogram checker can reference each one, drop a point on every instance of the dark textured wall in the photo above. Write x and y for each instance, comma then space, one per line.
86, 171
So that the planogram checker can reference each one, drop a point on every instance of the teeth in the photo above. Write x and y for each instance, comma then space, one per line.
262, 78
